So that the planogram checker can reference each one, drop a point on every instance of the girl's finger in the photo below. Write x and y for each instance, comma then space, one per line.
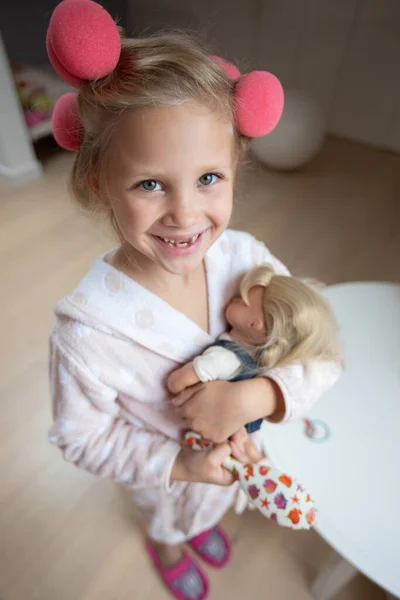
186, 394
182, 414
238, 453
226, 477
218, 454
240, 437
252, 451
182, 397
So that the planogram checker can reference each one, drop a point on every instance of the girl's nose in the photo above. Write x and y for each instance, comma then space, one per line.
184, 211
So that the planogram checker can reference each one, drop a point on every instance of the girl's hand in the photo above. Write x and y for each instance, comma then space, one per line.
243, 448
214, 409
203, 467
218, 409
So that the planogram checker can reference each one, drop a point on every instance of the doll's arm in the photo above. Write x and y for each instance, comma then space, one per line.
182, 378
215, 363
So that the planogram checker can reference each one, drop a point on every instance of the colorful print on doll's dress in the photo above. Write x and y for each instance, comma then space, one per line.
280, 501
285, 480
270, 486
250, 471
294, 515
263, 470
197, 443
280, 497
311, 516
277, 495
254, 492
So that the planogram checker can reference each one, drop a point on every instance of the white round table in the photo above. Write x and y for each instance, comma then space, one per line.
354, 476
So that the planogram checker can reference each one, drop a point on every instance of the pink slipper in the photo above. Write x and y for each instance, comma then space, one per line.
185, 580
213, 546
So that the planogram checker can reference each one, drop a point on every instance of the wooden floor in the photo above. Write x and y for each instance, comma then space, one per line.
65, 535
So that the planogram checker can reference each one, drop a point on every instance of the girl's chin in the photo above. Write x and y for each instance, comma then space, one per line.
181, 267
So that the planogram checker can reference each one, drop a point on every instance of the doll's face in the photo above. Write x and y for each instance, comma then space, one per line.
247, 321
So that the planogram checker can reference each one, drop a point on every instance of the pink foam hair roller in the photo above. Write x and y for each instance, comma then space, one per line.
231, 70
83, 42
67, 128
259, 103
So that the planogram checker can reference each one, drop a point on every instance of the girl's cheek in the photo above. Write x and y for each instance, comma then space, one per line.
222, 206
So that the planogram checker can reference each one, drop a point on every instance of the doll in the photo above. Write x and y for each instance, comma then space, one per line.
276, 320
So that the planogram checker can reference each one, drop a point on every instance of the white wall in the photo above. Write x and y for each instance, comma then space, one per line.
228, 24
344, 53
367, 96
17, 159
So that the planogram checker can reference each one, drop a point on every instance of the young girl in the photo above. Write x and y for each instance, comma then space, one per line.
159, 136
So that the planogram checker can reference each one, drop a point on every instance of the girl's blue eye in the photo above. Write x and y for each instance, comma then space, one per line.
208, 179
149, 185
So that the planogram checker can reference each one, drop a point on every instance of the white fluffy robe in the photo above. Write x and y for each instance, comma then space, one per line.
113, 345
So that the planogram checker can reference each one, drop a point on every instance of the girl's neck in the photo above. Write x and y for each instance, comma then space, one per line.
186, 293
149, 274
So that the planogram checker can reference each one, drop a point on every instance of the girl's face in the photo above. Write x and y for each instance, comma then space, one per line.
171, 173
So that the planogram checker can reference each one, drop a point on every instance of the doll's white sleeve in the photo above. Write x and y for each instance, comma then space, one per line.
216, 363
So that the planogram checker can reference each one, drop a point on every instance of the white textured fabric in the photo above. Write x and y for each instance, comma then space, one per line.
113, 346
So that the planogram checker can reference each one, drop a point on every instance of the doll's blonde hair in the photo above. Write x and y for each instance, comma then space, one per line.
300, 324
157, 70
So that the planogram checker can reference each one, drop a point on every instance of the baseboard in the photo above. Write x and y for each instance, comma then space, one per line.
23, 174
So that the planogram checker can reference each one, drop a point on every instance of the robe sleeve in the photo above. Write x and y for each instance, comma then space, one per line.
90, 434
301, 384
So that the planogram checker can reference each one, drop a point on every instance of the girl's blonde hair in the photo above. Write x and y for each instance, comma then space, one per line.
300, 324
159, 70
